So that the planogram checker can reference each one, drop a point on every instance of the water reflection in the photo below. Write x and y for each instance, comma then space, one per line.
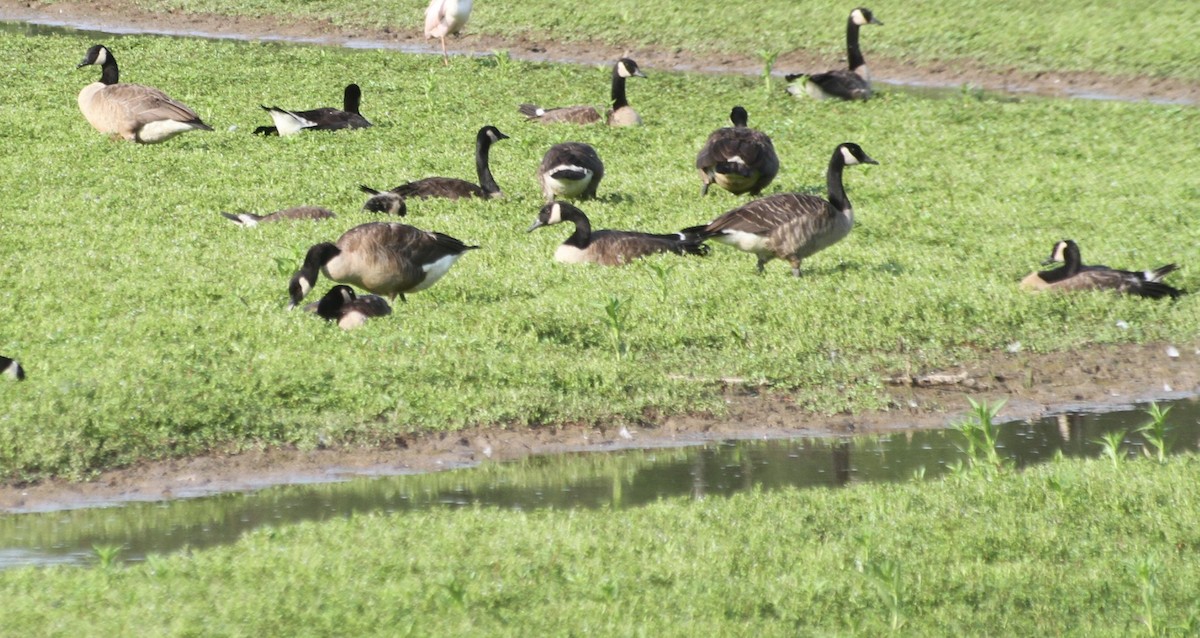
584, 480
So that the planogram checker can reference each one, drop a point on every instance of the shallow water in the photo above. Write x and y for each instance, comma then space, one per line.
583, 480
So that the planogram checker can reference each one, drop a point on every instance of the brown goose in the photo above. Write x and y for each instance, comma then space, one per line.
349, 310
572, 170
135, 112
1074, 275
609, 247
250, 220
11, 368
621, 113
790, 226
451, 187
738, 158
847, 84
385, 202
323, 119
386, 258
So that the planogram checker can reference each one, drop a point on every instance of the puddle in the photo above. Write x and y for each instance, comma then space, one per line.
38, 25
581, 480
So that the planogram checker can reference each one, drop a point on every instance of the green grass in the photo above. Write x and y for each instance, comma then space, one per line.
152, 327
1133, 37
1070, 548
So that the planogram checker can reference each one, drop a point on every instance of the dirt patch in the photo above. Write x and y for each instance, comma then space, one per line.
121, 16
1032, 384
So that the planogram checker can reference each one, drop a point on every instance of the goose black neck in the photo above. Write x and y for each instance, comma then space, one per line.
833, 181
583, 227
853, 52
1072, 260
109, 73
618, 89
351, 98
483, 144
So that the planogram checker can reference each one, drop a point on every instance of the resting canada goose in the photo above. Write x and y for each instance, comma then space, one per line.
386, 258
135, 112
250, 220
572, 170
385, 202
1074, 275
445, 17
848, 84
609, 247
738, 158
621, 114
12, 368
452, 187
790, 226
323, 119
349, 310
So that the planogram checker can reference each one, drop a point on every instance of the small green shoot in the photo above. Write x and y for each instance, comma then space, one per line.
887, 579
981, 433
1156, 433
615, 317
768, 59
1112, 446
106, 555
1147, 575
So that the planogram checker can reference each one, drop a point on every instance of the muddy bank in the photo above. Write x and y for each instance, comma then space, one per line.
1032, 385
123, 16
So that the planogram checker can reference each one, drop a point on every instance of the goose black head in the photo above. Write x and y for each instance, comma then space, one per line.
302, 282
863, 15
491, 134
330, 306
98, 54
388, 203
1062, 250
853, 154
552, 214
627, 68
739, 116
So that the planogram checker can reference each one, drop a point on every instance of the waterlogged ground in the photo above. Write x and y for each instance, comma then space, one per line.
1030, 383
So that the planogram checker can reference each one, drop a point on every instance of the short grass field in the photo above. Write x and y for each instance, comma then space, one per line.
150, 326
1069, 548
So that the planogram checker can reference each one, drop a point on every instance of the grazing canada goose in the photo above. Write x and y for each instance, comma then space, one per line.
323, 119
385, 202
386, 258
349, 310
848, 84
451, 187
1074, 275
445, 17
250, 220
135, 112
609, 247
12, 368
621, 113
738, 158
572, 170
790, 226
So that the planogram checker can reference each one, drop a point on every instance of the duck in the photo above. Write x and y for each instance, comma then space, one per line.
570, 170
327, 118
1074, 275
452, 187
385, 258
250, 220
621, 113
738, 158
846, 84
348, 309
446, 17
11, 368
135, 112
791, 226
609, 247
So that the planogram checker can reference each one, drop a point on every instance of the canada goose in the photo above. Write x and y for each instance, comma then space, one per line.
621, 113
848, 84
790, 226
738, 158
250, 220
386, 258
385, 202
451, 187
609, 247
323, 119
135, 112
12, 368
1074, 275
571, 170
445, 17
349, 310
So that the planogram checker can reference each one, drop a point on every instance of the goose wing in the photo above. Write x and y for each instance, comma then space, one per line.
763, 216
842, 83
147, 104
448, 187
568, 114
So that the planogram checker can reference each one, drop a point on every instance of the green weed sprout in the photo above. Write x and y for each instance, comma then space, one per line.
980, 431
615, 317
768, 59
106, 555
885, 575
1112, 446
1156, 433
